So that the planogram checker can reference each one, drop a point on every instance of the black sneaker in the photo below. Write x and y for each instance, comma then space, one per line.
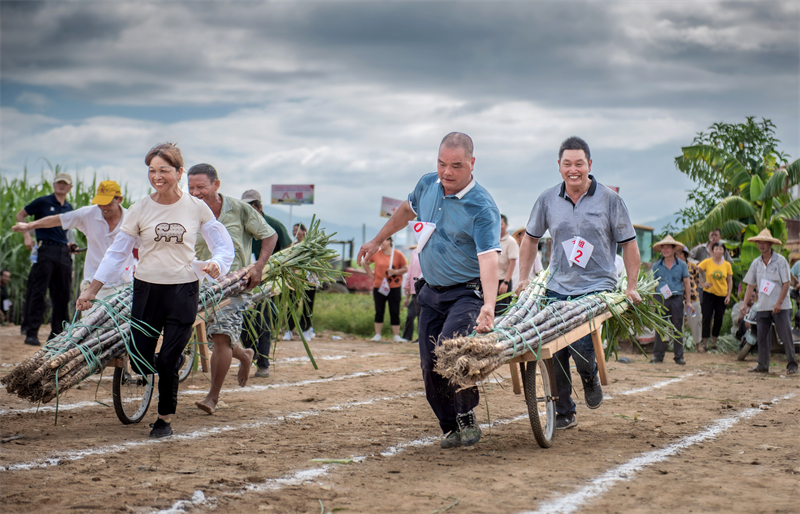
680, 362
656, 361
452, 440
161, 429
469, 430
593, 393
564, 422
32, 341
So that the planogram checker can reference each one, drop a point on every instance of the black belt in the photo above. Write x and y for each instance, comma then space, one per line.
475, 283
53, 243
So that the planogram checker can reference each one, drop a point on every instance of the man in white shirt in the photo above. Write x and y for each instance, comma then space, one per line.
100, 223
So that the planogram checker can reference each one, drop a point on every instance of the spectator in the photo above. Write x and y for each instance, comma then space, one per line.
243, 225
674, 292
692, 319
702, 252
100, 223
307, 309
717, 291
537, 263
5, 301
390, 264
410, 289
795, 295
260, 339
53, 267
770, 273
506, 264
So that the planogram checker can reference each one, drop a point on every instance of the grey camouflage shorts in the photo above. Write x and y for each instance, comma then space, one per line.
228, 320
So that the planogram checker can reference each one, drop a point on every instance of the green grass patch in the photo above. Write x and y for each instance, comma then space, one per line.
351, 314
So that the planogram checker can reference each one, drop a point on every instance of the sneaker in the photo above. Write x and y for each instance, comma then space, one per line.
656, 361
469, 431
680, 362
564, 422
376, 338
261, 373
287, 336
161, 429
399, 339
758, 370
32, 341
593, 393
308, 334
453, 440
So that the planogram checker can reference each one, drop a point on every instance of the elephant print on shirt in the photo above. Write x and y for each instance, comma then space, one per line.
169, 230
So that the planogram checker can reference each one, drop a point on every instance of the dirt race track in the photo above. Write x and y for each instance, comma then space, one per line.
706, 437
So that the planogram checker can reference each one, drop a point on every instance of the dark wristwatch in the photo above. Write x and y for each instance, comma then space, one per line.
506, 282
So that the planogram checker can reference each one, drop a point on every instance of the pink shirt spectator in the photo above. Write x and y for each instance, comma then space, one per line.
414, 272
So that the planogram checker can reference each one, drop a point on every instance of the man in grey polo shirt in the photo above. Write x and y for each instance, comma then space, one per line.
582, 208
459, 266
770, 274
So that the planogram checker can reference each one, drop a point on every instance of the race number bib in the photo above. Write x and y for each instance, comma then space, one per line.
766, 287
665, 290
422, 232
578, 251
384, 289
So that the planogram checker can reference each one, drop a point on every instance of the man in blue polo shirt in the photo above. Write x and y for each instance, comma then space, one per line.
582, 208
53, 267
674, 293
459, 266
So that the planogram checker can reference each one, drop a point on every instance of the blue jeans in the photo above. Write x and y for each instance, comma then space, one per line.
443, 316
582, 352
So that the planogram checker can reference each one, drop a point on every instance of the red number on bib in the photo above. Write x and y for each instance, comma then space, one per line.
578, 257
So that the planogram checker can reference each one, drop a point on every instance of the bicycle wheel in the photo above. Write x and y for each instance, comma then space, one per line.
541, 405
190, 352
132, 393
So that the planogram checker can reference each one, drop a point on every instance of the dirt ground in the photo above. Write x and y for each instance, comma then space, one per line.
705, 437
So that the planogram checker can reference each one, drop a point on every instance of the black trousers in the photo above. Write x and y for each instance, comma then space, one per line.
307, 310
713, 308
442, 316
674, 305
262, 342
505, 303
53, 271
413, 314
171, 308
393, 298
783, 327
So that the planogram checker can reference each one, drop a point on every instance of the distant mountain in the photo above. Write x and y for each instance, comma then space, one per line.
659, 224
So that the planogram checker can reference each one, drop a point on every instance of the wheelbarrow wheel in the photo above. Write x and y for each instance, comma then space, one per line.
132, 393
190, 352
541, 405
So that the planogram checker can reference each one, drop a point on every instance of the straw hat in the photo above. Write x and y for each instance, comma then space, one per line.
766, 236
667, 241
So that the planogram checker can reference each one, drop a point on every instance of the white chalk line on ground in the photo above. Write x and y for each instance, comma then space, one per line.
202, 433
653, 387
255, 388
624, 472
301, 476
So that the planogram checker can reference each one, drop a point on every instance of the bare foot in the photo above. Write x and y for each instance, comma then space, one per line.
244, 368
208, 406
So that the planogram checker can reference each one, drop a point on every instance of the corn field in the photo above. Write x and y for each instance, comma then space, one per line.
15, 194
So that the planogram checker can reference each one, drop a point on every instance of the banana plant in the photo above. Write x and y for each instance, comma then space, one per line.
759, 198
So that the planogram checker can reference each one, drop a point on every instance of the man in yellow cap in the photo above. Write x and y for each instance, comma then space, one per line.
100, 223
770, 274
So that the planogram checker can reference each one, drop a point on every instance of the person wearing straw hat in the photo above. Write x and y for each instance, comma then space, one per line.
52, 267
770, 274
100, 222
674, 293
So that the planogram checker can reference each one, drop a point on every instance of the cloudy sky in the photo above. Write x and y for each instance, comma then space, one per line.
355, 96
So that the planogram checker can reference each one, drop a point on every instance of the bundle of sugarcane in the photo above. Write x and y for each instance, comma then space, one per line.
533, 321
89, 344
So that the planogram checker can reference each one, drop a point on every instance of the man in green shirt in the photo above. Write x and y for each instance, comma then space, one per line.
263, 342
244, 225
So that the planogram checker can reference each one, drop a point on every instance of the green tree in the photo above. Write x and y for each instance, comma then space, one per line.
741, 164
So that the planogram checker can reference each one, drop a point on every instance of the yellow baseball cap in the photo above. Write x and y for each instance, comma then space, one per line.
106, 191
